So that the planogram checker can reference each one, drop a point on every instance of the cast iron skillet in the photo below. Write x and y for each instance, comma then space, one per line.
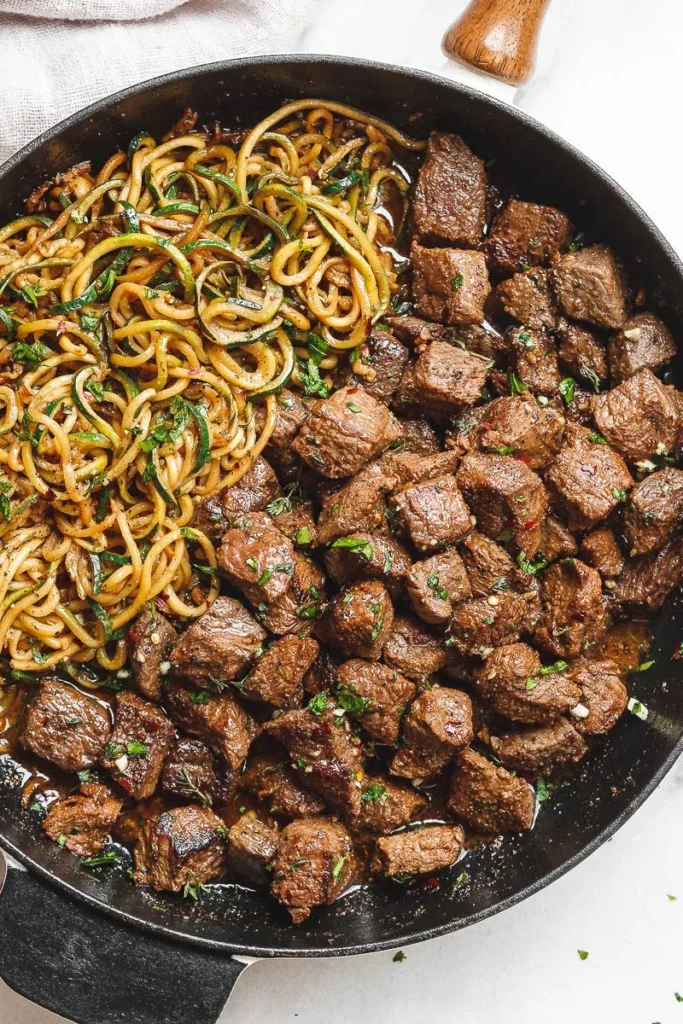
98, 949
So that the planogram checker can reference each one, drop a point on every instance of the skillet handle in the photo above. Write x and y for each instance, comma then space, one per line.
91, 969
498, 37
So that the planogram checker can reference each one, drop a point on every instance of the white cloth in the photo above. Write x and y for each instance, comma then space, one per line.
57, 56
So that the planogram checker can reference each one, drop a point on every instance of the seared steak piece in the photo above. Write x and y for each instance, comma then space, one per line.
217, 720
376, 696
505, 496
344, 432
602, 693
644, 342
490, 569
258, 559
190, 771
407, 468
359, 506
383, 360
418, 851
450, 286
219, 645
449, 203
386, 805
436, 584
296, 522
313, 865
515, 685
301, 603
84, 821
321, 674
556, 540
655, 511
540, 749
64, 726
413, 650
269, 778
526, 233
489, 798
640, 417
138, 745
600, 549
324, 751
589, 479
590, 286
358, 620
368, 556
277, 677
648, 580
485, 622
437, 726
571, 595
417, 438
527, 298
181, 847
433, 513
448, 376
259, 486
521, 427
151, 638
535, 360
252, 846
580, 350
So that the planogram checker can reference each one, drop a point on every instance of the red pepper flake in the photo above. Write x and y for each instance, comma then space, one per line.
431, 883
125, 784
351, 391
531, 524
193, 371
62, 327
678, 652
523, 458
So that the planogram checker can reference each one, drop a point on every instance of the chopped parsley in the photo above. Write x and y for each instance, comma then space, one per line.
399, 957
302, 537
286, 567
136, 749
376, 793
529, 567
318, 704
567, 388
436, 588
338, 868
502, 449
516, 384
30, 355
311, 381
353, 407
596, 438
583, 954
351, 701
200, 697
357, 545
619, 494
456, 282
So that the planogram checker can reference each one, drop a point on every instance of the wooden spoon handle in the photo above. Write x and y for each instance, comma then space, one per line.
498, 37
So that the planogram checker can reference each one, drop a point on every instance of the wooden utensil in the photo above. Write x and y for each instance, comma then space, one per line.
498, 37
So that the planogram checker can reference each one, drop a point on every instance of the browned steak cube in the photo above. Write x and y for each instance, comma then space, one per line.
321, 674
450, 286
183, 847
300, 604
648, 580
590, 479
214, 515
436, 584
580, 351
514, 683
295, 519
573, 616
489, 798
313, 865
252, 845
417, 438
540, 749
359, 506
481, 623
382, 361
150, 640
520, 426
526, 233
277, 676
218, 720
292, 412
527, 298
64, 726
408, 468
269, 778
433, 514
640, 417
556, 540
535, 360
83, 823
190, 771
506, 497
449, 204
412, 649
416, 332
258, 559
644, 342
490, 569
654, 512
218, 646
600, 549
449, 376
368, 556
138, 745
386, 805
325, 753
418, 851
438, 725
375, 696
590, 286
344, 432
358, 620
603, 695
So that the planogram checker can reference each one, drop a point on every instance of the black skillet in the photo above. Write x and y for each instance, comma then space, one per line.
99, 950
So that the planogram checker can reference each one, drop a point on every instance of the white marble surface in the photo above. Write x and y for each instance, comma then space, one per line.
608, 80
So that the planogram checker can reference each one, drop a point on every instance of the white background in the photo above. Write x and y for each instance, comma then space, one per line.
609, 81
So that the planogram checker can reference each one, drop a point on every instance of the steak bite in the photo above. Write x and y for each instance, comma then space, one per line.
407, 468
654, 512
602, 693
519, 426
573, 616
292, 412
181, 847
386, 805
82, 823
277, 677
368, 556
489, 798
417, 438
505, 495
648, 580
259, 486
358, 619
258, 559
218, 646
382, 359
151, 638
556, 540
600, 549
482, 623
535, 360
490, 569
295, 520
449, 203
344, 432
579, 350
450, 286
527, 298
269, 778
448, 376
190, 771
515, 685
436, 584
375, 696
540, 749
219, 721
437, 726
359, 506
432, 514
313, 865
331, 762
300, 604
413, 650
589, 479
644, 342
526, 233
590, 286
252, 845
64, 726
418, 851
640, 417
138, 745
